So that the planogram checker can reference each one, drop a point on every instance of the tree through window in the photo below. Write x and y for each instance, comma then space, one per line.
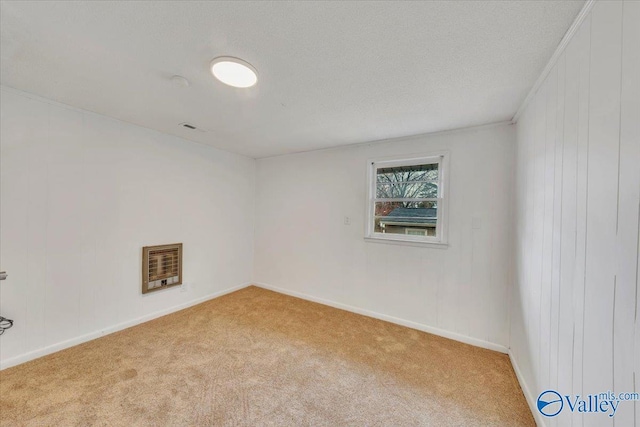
405, 198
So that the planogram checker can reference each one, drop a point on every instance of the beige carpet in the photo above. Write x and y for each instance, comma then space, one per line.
259, 358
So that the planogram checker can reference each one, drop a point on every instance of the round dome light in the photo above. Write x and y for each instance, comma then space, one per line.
234, 72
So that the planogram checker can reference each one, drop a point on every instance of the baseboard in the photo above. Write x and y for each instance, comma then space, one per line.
402, 322
540, 421
17, 360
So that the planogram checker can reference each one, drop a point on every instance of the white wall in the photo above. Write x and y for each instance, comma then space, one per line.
575, 302
81, 194
303, 246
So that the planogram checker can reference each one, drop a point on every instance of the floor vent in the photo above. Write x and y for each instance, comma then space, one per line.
161, 267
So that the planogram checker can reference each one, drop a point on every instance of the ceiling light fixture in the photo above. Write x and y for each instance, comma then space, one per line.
234, 72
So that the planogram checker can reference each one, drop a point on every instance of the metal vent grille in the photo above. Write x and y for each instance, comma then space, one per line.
161, 267
191, 126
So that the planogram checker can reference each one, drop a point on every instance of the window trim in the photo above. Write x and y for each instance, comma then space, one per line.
441, 238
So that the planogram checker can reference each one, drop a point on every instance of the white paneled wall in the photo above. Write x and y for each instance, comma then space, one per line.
81, 195
303, 246
574, 306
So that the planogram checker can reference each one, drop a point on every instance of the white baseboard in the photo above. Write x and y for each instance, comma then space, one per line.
531, 400
17, 360
419, 326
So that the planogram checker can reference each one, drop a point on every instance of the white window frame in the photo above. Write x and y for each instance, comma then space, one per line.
440, 239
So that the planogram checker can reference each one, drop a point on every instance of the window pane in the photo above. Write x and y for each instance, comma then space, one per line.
409, 218
406, 190
425, 172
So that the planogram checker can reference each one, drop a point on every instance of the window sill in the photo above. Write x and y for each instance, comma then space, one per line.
392, 241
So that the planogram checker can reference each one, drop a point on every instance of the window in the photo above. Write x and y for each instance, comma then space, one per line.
407, 199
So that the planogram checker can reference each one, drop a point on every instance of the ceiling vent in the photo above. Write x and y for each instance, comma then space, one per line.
189, 126
161, 267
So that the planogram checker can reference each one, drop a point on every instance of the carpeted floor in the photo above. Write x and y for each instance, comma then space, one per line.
258, 358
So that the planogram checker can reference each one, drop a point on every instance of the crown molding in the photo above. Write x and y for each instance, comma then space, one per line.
554, 58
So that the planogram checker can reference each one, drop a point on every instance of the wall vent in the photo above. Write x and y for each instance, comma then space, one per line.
161, 267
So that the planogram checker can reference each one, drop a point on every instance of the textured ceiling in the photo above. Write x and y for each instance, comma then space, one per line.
330, 73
